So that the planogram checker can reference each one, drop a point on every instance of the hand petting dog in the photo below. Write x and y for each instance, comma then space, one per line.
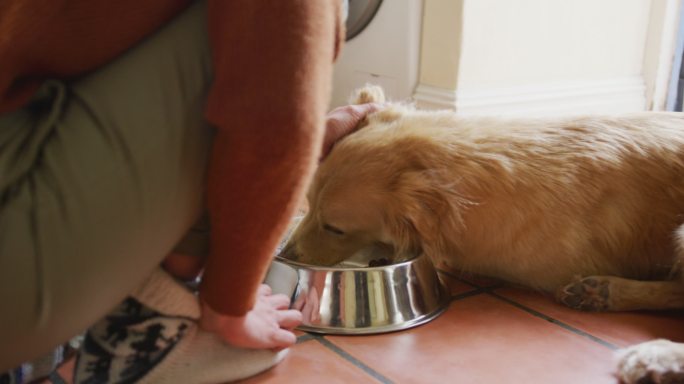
343, 121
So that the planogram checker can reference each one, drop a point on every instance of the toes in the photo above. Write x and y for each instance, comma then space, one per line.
672, 378
576, 288
657, 361
648, 379
587, 294
657, 378
590, 282
572, 297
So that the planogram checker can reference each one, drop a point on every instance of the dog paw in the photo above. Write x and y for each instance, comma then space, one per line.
657, 362
588, 294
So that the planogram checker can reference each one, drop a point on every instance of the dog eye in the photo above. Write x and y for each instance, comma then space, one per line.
333, 230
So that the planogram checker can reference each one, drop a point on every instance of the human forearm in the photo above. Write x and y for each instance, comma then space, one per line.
269, 97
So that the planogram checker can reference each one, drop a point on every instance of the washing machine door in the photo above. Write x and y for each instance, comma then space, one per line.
359, 15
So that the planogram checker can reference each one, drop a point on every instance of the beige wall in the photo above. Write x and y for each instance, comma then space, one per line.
508, 43
440, 42
475, 46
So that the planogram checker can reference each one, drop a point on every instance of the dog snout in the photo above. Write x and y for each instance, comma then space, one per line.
289, 252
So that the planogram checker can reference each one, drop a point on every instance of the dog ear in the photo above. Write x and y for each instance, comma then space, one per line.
368, 94
430, 212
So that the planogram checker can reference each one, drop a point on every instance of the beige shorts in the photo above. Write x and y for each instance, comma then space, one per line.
99, 179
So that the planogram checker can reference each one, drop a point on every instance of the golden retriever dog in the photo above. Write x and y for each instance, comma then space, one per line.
588, 208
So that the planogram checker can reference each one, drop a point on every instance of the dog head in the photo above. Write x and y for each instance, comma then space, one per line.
379, 187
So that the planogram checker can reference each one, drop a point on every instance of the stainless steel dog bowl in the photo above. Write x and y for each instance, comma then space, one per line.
361, 300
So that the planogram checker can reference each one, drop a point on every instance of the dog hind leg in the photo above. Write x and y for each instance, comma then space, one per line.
656, 361
610, 293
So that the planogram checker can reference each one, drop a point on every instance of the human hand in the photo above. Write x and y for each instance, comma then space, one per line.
344, 120
267, 326
309, 305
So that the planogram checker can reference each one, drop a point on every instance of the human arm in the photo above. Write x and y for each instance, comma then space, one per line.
269, 321
273, 66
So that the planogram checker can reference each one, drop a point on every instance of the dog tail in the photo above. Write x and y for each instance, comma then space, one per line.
369, 93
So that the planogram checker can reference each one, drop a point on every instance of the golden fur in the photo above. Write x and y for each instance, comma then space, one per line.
533, 201
589, 208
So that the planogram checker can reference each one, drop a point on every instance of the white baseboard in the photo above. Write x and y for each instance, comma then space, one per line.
624, 94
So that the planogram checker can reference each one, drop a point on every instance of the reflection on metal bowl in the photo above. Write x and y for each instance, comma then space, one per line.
361, 300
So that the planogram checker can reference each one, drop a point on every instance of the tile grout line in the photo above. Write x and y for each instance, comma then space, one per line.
345, 355
476, 289
474, 285
357, 363
305, 337
559, 323
490, 290
464, 295
453, 276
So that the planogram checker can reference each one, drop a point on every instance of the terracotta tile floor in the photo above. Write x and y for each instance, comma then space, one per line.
491, 333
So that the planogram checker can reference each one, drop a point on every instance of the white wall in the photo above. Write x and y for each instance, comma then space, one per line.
441, 43
386, 53
535, 56
511, 43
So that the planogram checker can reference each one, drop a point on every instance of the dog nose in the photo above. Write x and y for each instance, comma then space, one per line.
289, 252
